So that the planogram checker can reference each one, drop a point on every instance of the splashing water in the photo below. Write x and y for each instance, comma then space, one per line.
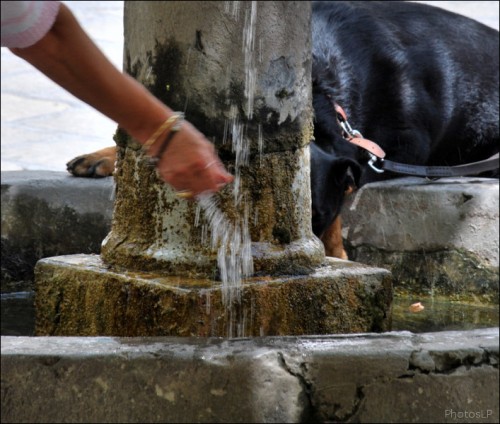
232, 239
234, 256
248, 50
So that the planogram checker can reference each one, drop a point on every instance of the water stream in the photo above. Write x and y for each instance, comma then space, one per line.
232, 239
233, 244
249, 50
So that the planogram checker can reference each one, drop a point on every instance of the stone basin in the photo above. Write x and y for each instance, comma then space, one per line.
444, 376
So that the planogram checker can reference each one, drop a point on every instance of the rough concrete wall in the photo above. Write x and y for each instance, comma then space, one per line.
47, 214
437, 237
395, 377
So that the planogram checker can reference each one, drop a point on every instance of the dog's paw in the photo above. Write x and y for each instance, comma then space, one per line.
339, 253
94, 165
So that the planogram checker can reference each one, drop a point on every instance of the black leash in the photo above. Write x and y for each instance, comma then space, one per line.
472, 168
379, 164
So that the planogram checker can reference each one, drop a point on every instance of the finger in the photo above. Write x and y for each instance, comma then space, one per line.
210, 183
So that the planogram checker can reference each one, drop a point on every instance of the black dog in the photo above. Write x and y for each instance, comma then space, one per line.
419, 81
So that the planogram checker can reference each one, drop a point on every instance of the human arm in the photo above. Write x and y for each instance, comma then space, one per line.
70, 58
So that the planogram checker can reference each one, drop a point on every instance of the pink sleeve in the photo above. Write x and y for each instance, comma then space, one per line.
26, 22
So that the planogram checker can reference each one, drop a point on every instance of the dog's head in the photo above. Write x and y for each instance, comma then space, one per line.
332, 178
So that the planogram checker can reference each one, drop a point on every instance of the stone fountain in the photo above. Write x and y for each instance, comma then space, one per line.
160, 275
241, 73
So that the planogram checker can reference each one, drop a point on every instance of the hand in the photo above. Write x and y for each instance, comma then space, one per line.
190, 164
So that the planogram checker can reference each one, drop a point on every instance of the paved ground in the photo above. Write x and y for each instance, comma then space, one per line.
43, 126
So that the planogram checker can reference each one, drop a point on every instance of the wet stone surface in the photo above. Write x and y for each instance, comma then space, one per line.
78, 295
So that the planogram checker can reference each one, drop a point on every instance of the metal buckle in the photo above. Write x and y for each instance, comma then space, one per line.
350, 133
371, 162
356, 133
346, 128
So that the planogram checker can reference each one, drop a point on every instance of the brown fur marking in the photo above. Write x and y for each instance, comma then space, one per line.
332, 239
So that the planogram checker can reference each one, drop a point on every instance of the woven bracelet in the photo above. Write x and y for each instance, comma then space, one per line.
162, 128
176, 126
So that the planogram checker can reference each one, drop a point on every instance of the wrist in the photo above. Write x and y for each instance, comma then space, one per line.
156, 145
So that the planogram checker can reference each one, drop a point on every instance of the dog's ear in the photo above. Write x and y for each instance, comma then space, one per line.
354, 173
346, 172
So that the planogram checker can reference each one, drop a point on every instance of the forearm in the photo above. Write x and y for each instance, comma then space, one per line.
70, 58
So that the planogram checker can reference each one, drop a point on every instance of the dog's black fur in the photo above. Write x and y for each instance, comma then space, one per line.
420, 81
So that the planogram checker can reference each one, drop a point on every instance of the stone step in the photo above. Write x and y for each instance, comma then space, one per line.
47, 213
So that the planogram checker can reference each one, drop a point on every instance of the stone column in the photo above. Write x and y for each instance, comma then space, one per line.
241, 73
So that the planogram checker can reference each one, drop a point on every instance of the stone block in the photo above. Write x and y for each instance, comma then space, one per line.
46, 214
365, 378
400, 377
78, 295
437, 237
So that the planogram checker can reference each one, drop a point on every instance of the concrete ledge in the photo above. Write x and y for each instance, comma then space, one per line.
393, 377
47, 214
437, 237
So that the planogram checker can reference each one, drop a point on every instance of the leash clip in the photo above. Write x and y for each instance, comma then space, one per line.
371, 163
347, 129
355, 134
355, 137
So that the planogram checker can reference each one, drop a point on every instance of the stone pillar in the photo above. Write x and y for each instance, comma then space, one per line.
241, 72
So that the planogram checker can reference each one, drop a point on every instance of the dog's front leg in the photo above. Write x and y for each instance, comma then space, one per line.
332, 240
